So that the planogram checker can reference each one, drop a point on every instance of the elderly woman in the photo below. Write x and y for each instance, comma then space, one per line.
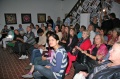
93, 56
83, 44
107, 70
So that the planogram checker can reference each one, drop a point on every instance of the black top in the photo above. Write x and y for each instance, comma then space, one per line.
17, 36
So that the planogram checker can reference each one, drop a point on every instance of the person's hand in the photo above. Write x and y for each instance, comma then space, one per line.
84, 52
83, 73
36, 45
78, 48
63, 41
44, 58
48, 67
73, 50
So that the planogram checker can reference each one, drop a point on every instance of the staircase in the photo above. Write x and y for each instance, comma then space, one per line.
94, 7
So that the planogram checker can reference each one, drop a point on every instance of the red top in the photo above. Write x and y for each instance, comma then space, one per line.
86, 44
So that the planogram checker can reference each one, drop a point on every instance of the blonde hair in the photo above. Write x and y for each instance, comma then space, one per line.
102, 38
88, 33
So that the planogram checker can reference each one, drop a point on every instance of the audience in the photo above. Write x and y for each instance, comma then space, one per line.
4, 32
72, 40
56, 68
28, 43
92, 33
109, 69
9, 37
59, 22
50, 21
93, 56
53, 49
83, 44
82, 28
58, 32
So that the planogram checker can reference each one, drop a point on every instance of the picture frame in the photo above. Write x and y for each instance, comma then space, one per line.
26, 18
41, 17
10, 18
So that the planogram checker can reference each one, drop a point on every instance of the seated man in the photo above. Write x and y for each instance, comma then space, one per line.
106, 70
30, 41
9, 37
18, 40
4, 32
39, 47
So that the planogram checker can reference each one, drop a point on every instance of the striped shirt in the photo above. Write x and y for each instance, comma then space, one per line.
59, 62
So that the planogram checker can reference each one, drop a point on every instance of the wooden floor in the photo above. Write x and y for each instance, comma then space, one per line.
12, 68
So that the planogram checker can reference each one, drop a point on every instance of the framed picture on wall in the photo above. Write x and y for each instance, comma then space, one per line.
26, 18
10, 18
41, 17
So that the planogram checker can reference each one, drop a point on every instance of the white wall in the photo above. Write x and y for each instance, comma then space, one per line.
116, 9
54, 8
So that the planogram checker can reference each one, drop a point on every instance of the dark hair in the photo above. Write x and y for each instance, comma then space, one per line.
40, 31
84, 28
98, 28
11, 27
49, 33
59, 29
112, 15
37, 26
55, 36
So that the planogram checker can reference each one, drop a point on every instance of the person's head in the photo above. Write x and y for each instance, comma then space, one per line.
94, 19
57, 28
99, 39
43, 28
82, 28
28, 28
37, 27
5, 27
49, 28
40, 32
116, 32
32, 26
102, 32
67, 29
72, 32
63, 28
115, 53
112, 15
16, 32
20, 25
85, 34
105, 17
11, 28
58, 18
90, 27
70, 16
53, 40
97, 29
49, 17
42, 24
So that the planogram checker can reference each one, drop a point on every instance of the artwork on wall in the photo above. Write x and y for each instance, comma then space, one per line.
10, 18
41, 17
26, 18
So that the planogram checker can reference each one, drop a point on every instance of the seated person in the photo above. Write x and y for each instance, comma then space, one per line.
72, 40
9, 37
4, 32
18, 39
83, 44
114, 37
58, 31
106, 70
39, 61
82, 28
37, 52
97, 52
56, 68
30, 41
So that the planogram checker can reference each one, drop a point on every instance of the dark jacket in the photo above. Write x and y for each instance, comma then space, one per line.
73, 43
107, 73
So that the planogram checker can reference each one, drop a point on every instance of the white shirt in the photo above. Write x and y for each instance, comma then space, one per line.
92, 35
